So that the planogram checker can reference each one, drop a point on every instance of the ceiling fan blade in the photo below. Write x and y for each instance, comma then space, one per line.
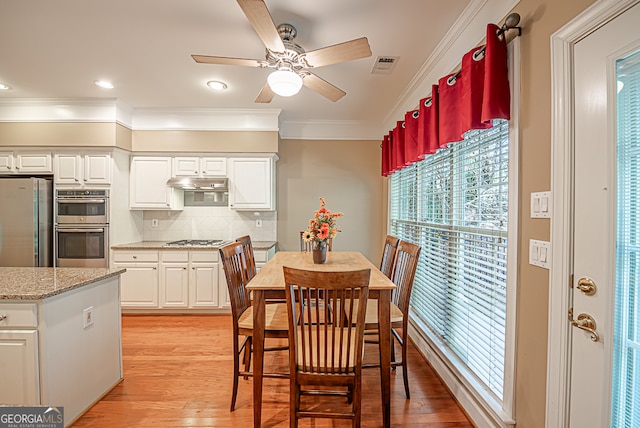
347, 51
322, 87
206, 59
260, 18
265, 95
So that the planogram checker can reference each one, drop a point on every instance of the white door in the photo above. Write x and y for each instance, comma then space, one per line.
600, 229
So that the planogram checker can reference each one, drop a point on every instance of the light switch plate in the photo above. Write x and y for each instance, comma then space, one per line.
540, 204
540, 253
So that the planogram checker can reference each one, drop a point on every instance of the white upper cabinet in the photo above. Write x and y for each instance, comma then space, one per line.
252, 183
81, 170
25, 163
148, 185
199, 166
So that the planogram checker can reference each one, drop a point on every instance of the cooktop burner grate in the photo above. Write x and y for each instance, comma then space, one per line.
195, 243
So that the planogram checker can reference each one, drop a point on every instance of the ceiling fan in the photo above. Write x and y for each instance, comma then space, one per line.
290, 62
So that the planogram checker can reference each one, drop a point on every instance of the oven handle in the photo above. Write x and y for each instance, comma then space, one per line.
81, 201
80, 230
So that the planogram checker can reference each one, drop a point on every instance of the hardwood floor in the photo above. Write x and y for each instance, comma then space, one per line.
178, 373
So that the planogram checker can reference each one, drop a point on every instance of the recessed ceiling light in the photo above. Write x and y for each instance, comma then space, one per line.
104, 84
4, 87
217, 85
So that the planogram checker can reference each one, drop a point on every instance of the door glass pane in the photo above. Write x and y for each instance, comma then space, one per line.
625, 409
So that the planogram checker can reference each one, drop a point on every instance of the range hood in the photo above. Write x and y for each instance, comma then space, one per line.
211, 184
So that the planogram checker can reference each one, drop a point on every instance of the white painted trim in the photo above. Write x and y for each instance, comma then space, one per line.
480, 407
509, 386
468, 31
206, 119
562, 141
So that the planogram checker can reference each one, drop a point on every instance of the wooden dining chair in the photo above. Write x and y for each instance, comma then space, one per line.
308, 246
388, 255
325, 348
403, 273
233, 260
247, 247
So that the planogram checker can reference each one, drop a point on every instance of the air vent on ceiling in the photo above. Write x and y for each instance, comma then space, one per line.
384, 64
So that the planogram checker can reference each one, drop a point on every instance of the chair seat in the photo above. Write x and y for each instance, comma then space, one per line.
275, 316
371, 316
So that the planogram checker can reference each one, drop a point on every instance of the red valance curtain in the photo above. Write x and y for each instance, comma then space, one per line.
469, 99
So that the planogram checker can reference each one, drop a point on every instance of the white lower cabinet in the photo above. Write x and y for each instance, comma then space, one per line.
139, 284
180, 280
203, 280
19, 366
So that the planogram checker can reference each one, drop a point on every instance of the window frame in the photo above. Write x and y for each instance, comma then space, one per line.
479, 403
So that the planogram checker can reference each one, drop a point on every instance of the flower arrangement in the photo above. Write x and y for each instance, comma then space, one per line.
322, 226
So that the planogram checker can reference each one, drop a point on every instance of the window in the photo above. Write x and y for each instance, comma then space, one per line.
455, 205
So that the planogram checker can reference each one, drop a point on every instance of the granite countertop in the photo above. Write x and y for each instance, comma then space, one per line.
37, 283
161, 245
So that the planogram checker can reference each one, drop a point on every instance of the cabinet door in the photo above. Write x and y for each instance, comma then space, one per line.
6, 163
139, 285
213, 167
97, 169
203, 285
31, 162
186, 166
19, 367
251, 182
174, 285
148, 184
67, 169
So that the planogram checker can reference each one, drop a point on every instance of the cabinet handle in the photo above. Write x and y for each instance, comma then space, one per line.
135, 257
195, 172
154, 268
3, 317
184, 268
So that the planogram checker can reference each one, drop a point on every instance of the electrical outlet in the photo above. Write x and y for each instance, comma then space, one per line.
258, 222
154, 222
87, 317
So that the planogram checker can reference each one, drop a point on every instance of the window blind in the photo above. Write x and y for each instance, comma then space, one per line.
454, 204
625, 409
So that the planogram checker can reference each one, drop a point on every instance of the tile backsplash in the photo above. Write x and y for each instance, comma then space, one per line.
208, 223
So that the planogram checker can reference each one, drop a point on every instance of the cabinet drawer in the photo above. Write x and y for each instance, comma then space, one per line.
174, 256
18, 315
204, 256
260, 256
135, 256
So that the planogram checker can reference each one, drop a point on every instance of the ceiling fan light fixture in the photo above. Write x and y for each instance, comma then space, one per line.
216, 85
285, 82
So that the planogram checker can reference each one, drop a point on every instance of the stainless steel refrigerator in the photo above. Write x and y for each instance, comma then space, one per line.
26, 213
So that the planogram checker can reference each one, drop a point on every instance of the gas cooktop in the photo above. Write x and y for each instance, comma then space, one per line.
195, 243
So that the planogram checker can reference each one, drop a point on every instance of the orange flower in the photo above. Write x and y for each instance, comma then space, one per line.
323, 224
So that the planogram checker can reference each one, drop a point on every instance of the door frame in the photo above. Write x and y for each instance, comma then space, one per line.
562, 176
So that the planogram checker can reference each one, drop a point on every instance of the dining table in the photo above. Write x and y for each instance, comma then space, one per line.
269, 282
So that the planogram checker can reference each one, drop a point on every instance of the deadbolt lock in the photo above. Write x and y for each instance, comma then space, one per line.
587, 286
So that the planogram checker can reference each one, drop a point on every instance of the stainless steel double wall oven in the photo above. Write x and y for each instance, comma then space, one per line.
82, 228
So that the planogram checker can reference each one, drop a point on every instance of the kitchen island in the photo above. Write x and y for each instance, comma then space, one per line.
60, 336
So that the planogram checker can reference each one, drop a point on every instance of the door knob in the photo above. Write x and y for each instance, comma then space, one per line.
585, 322
587, 286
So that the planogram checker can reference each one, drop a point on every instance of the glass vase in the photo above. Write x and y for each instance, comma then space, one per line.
319, 252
